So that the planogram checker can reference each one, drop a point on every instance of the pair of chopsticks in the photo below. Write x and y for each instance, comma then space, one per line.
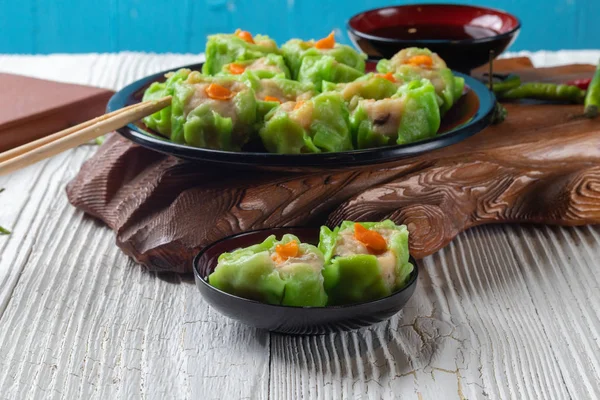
48, 146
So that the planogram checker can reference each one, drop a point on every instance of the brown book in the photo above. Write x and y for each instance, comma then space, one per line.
32, 108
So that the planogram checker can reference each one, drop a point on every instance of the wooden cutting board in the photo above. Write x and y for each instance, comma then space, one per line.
541, 165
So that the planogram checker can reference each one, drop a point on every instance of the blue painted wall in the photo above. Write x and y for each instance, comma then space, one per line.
71, 26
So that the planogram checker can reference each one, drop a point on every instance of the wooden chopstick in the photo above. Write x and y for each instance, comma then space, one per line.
58, 142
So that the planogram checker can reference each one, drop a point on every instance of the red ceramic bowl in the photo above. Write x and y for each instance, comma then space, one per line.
462, 35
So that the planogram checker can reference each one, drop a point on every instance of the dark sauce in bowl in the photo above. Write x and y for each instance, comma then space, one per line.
433, 32
464, 36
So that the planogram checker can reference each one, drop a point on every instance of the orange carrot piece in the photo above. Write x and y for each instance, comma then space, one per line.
372, 240
285, 251
218, 92
236, 69
389, 76
244, 35
327, 42
298, 105
420, 60
271, 98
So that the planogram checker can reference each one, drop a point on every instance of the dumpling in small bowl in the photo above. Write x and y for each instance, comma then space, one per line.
283, 272
364, 261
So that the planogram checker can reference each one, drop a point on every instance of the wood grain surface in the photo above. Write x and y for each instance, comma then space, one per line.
502, 312
542, 165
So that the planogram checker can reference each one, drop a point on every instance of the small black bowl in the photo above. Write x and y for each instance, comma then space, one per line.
464, 34
285, 319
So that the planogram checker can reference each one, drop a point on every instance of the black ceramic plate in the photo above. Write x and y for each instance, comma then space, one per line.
470, 115
284, 319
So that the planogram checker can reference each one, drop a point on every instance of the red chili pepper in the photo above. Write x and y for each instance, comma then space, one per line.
580, 83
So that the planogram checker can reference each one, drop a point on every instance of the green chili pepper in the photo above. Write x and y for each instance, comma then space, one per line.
500, 114
4, 231
592, 98
545, 91
1, 190
504, 82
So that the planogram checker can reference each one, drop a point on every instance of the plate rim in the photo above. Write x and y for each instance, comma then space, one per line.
378, 155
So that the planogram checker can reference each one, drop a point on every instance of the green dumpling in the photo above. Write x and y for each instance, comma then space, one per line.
320, 124
270, 92
269, 66
415, 63
366, 262
213, 112
285, 272
369, 86
222, 49
410, 115
316, 69
160, 121
295, 50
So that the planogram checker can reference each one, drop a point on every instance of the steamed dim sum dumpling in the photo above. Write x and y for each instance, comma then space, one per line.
222, 49
213, 112
160, 121
269, 66
415, 63
296, 50
320, 124
284, 272
364, 261
411, 114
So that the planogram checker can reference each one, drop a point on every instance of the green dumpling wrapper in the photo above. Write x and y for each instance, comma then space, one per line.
160, 121
410, 115
201, 121
280, 88
369, 86
295, 50
320, 124
448, 87
257, 273
316, 69
352, 274
269, 66
222, 49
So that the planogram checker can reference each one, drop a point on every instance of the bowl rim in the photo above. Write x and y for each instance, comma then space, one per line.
409, 283
486, 39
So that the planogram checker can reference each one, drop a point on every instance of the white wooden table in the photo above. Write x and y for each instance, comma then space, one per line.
502, 312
